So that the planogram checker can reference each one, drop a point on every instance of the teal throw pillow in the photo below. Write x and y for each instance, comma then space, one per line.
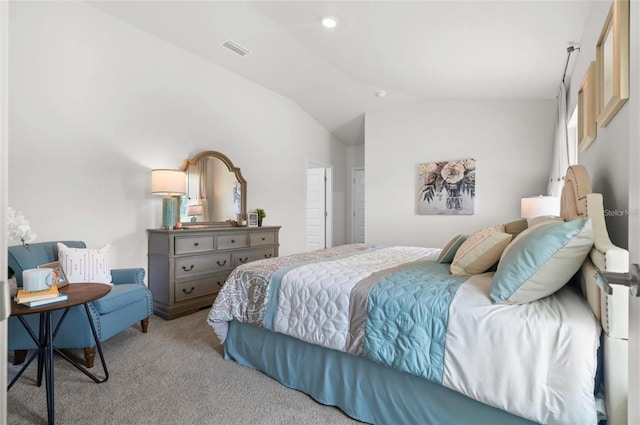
450, 249
541, 260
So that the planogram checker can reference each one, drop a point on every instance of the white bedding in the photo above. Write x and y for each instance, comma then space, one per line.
527, 359
536, 360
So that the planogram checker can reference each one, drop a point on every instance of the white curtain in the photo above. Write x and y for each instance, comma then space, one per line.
560, 146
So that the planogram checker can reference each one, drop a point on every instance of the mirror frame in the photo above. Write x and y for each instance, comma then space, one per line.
232, 168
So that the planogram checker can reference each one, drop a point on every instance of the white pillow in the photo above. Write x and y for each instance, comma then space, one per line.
541, 260
85, 265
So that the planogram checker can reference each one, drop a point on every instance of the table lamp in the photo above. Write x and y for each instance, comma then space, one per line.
537, 206
194, 211
169, 183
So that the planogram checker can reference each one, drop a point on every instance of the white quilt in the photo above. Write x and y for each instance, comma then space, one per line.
314, 298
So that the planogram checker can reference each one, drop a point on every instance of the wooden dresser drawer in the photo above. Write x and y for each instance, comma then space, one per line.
262, 238
197, 287
197, 265
193, 244
243, 257
231, 241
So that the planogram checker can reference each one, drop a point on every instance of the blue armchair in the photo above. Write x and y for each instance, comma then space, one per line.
128, 302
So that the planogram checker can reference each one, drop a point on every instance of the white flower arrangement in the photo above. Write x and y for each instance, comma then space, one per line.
18, 228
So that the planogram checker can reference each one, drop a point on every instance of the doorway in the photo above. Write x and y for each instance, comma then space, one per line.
318, 206
357, 206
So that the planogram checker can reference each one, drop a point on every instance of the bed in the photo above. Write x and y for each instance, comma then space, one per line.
390, 335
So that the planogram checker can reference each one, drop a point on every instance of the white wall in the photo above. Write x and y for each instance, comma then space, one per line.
95, 104
606, 159
510, 140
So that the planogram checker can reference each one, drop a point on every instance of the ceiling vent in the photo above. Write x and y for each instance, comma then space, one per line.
236, 48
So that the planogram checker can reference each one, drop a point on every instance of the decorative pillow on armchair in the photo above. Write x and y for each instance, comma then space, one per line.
85, 265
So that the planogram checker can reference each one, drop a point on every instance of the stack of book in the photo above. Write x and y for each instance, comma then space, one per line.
36, 299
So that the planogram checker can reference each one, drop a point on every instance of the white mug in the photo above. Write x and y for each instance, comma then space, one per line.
34, 280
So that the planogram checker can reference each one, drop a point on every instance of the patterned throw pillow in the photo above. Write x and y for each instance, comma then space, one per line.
479, 252
85, 265
541, 260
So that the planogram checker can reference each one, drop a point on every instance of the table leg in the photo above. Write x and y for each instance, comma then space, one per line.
48, 369
98, 345
38, 340
42, 339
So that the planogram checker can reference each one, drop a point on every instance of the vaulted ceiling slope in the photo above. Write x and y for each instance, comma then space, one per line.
413, 50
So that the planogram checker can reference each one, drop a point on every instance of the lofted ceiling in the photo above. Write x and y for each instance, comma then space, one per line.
411, 50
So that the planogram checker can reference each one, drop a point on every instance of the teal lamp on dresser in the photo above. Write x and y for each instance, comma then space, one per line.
169, 183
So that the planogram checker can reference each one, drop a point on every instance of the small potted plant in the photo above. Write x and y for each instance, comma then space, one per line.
261, 215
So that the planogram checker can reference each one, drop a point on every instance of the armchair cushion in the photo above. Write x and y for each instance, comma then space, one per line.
119, 297
130, 275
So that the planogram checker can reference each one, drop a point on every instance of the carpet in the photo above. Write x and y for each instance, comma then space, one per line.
174, 374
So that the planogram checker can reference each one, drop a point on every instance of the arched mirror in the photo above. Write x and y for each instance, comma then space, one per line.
216, 191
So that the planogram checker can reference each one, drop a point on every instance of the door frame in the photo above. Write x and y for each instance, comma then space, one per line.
5, 306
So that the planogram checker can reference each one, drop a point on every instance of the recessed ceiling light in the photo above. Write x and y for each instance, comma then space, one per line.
329, 22
381, 93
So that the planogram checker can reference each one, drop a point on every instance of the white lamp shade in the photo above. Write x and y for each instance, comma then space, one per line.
168, 182
537, 206
195, 210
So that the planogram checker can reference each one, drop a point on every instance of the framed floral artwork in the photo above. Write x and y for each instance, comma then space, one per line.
447, 187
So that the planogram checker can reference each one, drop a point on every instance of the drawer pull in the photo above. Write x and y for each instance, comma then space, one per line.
196, 244
221, 264
267, 255
220, 284
189, 291
189, 269
264, 239
243, 260
233, 241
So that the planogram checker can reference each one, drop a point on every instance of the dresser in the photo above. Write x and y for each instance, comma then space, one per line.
187, 267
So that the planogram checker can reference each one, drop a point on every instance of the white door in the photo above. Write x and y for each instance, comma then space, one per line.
633, 405
357, 193
4, 288
316, 209
634, 214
